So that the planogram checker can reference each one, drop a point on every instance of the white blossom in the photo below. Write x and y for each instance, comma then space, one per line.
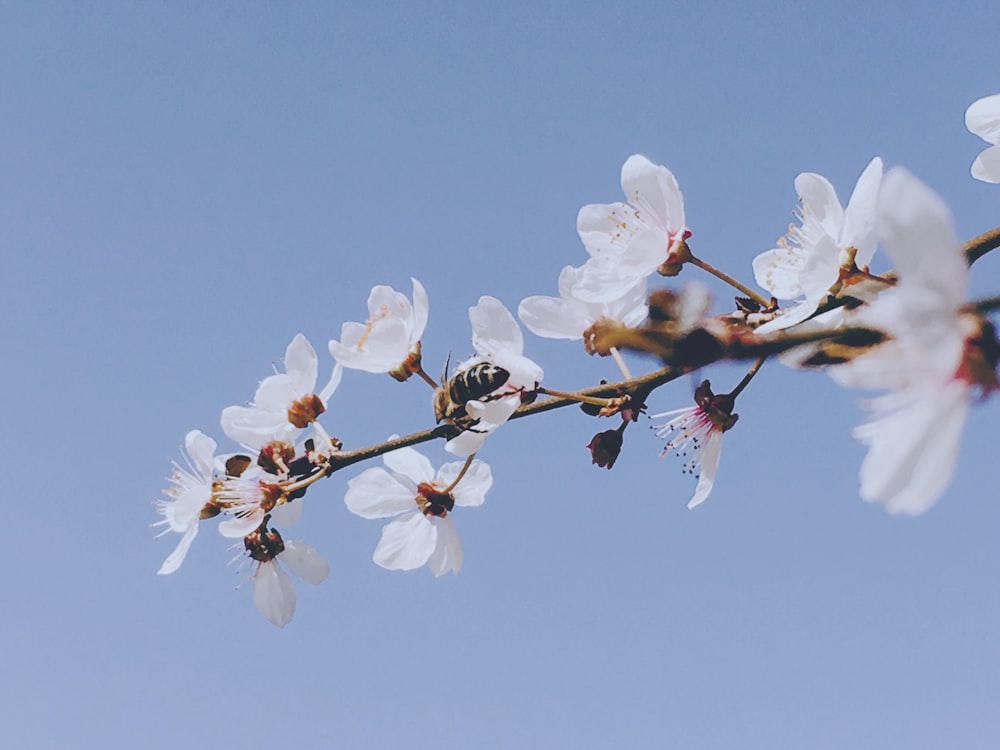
983, 119
390, 337
421, 500
273, 590
631, 239
497, 339
568, 316
829, 238
189, 498
249, 498
280, 398
913, 436
695, 435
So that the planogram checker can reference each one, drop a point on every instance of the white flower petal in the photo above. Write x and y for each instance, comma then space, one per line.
287, 514
607, 228
331, 386
789, 317
778, 270
494, 327
986, 167
919, 236
603, 279
476, 482
175, 558
238, 527
305, 561
711, 452
820, 203
406, 543
859, 230
301, 364
552, 317
375, 493
653, 189
421, 307
273, 593
913, 449
411, 463
201, 450
468, 442
983, 118
447, 554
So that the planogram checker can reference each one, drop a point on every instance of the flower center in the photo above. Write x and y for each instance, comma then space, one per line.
434, 502
305, 410
263, 546
980, 356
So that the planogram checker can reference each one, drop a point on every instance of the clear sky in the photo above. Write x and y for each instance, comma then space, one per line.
186, 186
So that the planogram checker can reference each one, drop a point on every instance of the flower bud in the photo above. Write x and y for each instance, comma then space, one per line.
605, 447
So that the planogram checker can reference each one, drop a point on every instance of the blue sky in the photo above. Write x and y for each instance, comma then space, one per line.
184, 187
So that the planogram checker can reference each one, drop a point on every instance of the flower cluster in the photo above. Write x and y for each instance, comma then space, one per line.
909, 334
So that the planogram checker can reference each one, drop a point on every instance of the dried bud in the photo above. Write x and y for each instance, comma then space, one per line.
605, 446
747, 305
237, 464
669, 269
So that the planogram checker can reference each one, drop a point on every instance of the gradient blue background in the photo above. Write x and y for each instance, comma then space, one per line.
185, 186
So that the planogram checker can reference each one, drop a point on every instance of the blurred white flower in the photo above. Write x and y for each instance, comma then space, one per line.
408, 488
284, 403
983, 119
810, 257
497, 339
273, 590
936, 354
695, 435
390, 339
190, 498
633, 239
568, 317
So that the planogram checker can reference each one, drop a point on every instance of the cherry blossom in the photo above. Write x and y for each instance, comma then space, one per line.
273, 590
568, 317
190, 498
284, 403
983, 119
936, 355
632, 239
421, 500
695, 434
497, 339
251, 498
829, 239
390, 340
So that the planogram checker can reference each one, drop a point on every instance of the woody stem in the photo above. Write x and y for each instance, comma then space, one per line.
465, 468
729, 280
573, 396
427, 378
747, 378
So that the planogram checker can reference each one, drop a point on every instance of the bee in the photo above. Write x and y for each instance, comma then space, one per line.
475, 383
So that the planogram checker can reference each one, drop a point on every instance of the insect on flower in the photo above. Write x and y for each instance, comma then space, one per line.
474, 383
